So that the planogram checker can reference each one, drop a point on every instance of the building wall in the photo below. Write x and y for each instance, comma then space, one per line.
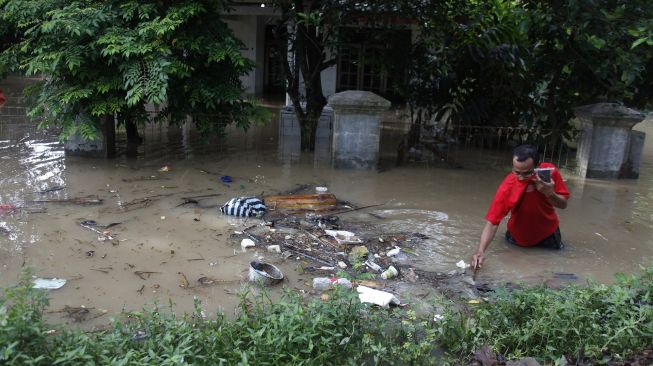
244, 28
250, 29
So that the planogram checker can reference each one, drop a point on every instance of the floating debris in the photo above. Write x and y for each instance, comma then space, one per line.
48, 283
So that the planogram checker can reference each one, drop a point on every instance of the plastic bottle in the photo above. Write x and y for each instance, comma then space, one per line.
389, 273
325, 283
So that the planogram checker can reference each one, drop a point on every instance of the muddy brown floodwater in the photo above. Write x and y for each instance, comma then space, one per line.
607, 226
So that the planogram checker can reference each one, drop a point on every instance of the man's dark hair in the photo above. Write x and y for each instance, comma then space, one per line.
523, 152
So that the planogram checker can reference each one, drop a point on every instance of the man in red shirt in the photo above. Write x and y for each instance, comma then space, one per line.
531, 202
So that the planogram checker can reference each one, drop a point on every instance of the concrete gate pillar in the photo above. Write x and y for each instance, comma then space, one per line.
357, 128
609, 148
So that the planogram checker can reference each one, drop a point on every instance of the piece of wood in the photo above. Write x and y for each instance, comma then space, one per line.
302, 202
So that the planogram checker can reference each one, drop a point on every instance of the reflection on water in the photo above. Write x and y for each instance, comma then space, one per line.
607, 226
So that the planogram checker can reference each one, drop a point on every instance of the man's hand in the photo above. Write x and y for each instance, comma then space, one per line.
547, 189
477, 260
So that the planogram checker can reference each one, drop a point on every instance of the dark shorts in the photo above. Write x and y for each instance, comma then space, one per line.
554, 241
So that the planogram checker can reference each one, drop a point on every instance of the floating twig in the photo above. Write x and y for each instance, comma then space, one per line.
184, 281
87, 200
144, 275
144, 179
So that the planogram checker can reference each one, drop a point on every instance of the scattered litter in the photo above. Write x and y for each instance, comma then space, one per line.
320, 190
238, 232
163, 217
377, 297
139, 336
274, 248
462, 264
373, 266
474, 301
325, 268
244, 207
264, 273
325, 283
601, 236
90, 253
165, 168
437, 317
343, 237
389, 273
393, 252
49, 283
246, 243
342, 264
226, 179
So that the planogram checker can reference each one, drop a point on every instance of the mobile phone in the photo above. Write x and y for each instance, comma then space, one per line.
544, 174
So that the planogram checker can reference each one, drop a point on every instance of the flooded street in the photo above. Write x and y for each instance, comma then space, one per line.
160, 243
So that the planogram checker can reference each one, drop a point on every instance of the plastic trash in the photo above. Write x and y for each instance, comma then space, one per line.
244, 207
274, 248
320, 190
393, 252
380, 298
342, 264
226, 179
325, 283
373, 266
264, 273
389, 273
246, 243
49, 283
343, 237
462, 264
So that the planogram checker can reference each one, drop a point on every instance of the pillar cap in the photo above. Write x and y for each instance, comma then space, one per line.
612, 114
358, 100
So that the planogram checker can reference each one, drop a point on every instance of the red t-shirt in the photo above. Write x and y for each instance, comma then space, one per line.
2, 98
533, 218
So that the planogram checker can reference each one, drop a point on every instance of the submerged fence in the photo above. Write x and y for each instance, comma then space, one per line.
488, 145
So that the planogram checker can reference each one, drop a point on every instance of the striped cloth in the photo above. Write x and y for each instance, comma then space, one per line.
244, 207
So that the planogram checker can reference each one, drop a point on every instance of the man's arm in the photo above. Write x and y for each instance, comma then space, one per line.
489, 231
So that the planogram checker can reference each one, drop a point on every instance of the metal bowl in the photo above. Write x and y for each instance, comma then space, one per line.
264, 273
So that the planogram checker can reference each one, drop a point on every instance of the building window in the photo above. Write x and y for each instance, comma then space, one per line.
366, 63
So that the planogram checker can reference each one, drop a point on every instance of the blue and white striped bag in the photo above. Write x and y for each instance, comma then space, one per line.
244, 207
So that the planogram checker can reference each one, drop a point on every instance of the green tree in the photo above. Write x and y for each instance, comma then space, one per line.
526, 63
102, 59
582, 52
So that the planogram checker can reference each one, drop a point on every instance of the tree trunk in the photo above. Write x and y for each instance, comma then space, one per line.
109, 132
133, 138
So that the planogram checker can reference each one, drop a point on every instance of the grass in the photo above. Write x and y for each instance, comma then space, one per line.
593, 322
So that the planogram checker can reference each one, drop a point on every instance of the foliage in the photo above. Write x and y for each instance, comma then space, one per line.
595, 321
527, 63
106, 58
340, 331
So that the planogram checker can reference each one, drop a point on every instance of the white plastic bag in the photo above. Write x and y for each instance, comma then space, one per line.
376, 297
